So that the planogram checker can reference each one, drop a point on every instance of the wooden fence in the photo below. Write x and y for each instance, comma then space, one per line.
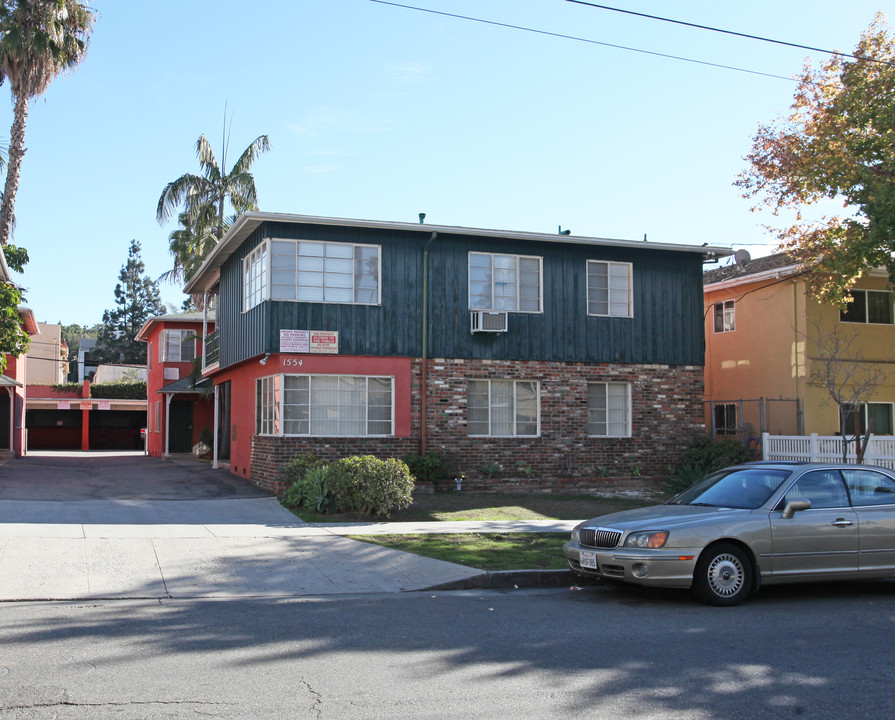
826, 449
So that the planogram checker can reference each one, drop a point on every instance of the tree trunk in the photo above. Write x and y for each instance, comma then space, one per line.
13, 172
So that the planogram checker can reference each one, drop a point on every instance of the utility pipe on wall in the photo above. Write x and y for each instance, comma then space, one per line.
424, 374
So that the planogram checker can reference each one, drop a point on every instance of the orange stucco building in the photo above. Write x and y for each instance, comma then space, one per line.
763, 354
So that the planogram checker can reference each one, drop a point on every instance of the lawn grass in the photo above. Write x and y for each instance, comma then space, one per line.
493, 551
509, 551
493, 506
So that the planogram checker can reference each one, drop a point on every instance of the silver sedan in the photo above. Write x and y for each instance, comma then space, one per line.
748, 525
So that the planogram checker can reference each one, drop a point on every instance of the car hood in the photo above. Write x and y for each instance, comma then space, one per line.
667, 516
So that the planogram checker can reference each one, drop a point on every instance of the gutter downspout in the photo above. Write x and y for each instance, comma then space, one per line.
424, 374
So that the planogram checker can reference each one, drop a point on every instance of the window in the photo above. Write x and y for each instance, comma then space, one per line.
305, 271
255, 277
177, 346
725, 316
609, 409
157, 424
324, 405
609, 289
823, 488
868, 306
500, 408
868, 487
877, 416
725, 419
504, 282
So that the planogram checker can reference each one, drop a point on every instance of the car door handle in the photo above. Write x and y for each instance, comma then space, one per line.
842, 522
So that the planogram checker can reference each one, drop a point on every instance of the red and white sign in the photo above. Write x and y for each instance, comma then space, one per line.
86, 405
309, 341
325, 341
104, 405
63, 405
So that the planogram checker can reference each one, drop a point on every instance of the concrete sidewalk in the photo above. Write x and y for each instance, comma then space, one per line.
211, 549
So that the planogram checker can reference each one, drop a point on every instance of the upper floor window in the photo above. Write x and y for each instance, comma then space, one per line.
504, 282
502, 407
609, 289
725, 316
609, 409
177, 346
254, 270
868, 306
311, 271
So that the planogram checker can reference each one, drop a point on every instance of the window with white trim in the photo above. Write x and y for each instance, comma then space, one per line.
609, 289
725, 419
725, 316
177, 346
500, 408
609, 409
157, 425
879, 417
254, 271
312, 271
868, 306
324, 405
504, 282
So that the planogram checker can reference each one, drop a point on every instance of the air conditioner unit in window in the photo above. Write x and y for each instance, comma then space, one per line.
487, 321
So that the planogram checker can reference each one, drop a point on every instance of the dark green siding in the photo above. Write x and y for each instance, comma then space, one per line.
667, 327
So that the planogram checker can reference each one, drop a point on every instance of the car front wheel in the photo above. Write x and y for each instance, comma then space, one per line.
723, 575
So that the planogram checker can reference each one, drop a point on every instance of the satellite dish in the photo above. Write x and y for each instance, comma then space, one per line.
742, 257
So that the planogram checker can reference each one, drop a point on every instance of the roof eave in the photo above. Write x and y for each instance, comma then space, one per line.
246, 223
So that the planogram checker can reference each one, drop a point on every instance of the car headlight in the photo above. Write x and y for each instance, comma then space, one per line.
576, 534
648, 539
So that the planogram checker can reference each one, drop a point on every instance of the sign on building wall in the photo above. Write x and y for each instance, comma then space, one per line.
309, 341
324, 341
295, 341
63, 405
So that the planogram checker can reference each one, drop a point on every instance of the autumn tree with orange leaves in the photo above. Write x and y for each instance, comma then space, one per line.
837, 143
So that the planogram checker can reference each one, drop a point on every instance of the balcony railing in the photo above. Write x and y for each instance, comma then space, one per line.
212, 348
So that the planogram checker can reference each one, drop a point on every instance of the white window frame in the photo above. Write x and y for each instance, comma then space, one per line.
861, 411
260, 273
186, 336
725, 311
517, 284
273, 412
867, 320
157, 425
612, 291
517, 420
612, 391
254, 277
729, 412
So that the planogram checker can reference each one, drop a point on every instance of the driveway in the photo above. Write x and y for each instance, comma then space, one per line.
125, 525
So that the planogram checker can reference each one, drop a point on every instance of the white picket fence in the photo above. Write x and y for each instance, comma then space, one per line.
826, 449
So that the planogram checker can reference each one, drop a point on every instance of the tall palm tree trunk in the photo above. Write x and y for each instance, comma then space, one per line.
14, 171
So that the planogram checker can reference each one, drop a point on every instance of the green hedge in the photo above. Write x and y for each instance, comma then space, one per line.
119, 391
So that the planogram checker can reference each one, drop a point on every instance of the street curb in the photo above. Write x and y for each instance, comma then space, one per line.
516, 579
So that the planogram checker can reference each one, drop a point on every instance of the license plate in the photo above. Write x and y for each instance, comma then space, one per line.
588, 559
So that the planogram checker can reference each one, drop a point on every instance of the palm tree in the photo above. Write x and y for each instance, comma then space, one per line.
203, 198
38, 40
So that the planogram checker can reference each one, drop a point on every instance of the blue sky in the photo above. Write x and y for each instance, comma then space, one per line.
381, 112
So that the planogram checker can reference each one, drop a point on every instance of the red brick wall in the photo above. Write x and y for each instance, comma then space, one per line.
667, 416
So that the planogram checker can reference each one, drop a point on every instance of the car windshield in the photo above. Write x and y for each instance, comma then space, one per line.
746, 488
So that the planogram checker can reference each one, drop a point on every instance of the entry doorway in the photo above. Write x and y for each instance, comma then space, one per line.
180, 426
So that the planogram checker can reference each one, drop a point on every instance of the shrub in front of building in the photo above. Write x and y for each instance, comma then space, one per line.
367, 485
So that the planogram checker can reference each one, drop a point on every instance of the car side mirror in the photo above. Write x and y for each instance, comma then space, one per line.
795, 505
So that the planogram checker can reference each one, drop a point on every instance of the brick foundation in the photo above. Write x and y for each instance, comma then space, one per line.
667, 416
